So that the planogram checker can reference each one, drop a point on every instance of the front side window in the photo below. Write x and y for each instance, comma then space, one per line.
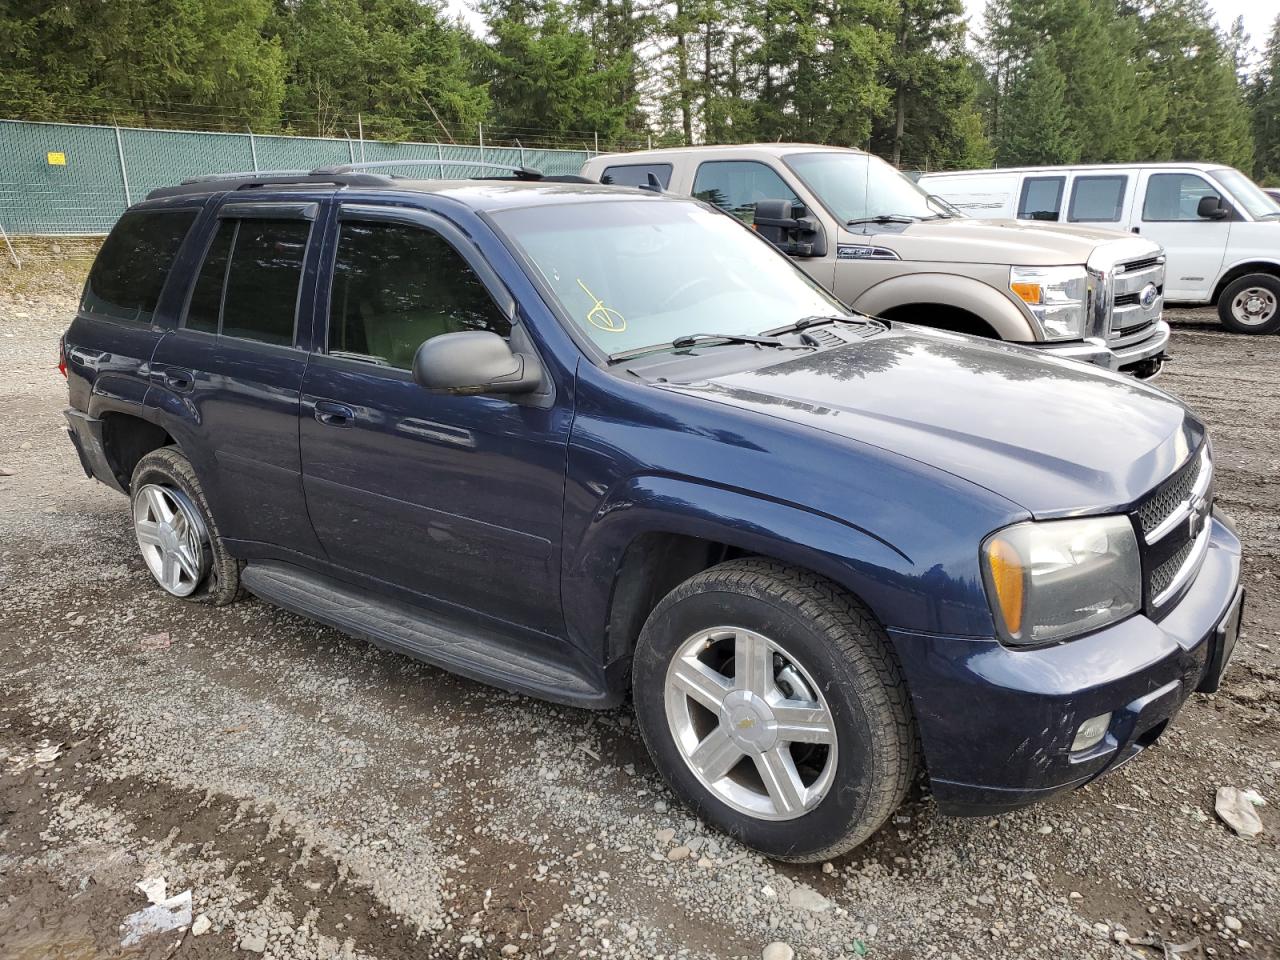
857, 187
248, 284
1097, 199
1041, 198
131, 268
396, 286
631, 274
736, 186
1175, 196
636, 174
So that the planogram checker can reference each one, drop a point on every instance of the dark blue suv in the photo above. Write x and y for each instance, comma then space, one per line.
583, 442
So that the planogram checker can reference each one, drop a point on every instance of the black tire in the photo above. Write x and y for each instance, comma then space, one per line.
168, 467
1233, 315
843, 649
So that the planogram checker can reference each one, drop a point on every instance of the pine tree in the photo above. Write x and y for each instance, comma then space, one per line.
1265, 103
1036, 127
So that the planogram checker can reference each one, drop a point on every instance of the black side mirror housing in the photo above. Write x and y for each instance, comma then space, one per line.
787, 227
475, 361
1211, 207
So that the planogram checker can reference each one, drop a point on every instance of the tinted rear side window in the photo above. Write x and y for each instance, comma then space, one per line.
205, 309
637, 174
131, 267
1041, 198
1097, 199
261, 297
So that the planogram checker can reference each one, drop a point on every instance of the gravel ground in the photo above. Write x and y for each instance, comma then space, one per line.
320, 798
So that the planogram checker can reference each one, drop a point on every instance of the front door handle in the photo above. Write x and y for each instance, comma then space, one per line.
334, 414
179, 381
1136, 230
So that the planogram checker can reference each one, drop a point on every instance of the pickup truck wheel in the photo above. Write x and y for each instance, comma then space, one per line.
770, 702
176, 534
1251, 304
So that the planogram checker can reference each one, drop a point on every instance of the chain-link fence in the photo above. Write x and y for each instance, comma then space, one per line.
61, 178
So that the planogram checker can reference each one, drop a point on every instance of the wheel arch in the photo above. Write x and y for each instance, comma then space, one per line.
659, 531
918, 291
126, 439
1236, 271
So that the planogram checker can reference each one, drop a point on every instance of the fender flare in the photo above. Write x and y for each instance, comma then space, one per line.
867, 565
978, 298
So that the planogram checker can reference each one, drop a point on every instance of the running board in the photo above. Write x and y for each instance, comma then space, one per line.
550, 672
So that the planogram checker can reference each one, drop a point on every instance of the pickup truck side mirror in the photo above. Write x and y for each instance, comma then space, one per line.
474, 361
786, 226
1211, 207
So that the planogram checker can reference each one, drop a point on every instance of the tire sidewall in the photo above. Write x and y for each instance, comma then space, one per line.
1236, 286
685, 613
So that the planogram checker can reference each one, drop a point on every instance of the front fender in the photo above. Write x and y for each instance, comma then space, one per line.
891, 583
978, 298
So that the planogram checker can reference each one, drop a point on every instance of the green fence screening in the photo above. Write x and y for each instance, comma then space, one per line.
60, 178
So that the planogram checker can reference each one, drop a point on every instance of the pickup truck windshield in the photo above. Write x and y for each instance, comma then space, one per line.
1248, 194
859, 188
635, 273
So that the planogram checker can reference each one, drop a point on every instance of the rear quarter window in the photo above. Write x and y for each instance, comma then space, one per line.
133, 264
637, 174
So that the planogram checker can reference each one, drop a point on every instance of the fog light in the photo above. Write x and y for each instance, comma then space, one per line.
1091, 732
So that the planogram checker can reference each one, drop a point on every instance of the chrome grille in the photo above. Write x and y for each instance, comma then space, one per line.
1162, 577
1131, 278
1170, 495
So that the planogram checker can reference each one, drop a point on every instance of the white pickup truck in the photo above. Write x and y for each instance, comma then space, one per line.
887, 248
1220, 231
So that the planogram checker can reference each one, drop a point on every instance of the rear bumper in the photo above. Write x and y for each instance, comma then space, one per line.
997, 724
86, 436
1143, 359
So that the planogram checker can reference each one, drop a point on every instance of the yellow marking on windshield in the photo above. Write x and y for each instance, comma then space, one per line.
602, 317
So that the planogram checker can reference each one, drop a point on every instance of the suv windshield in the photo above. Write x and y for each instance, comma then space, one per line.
859, 188
636, 273
1248, 194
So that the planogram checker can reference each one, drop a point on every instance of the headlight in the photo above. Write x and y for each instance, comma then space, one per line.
1057, 296
1058, 578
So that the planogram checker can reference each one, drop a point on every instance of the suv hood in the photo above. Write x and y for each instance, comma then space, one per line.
993, 241
1054, 436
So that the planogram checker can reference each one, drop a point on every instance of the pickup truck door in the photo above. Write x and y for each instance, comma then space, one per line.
455, 499
226, 381
1165, 211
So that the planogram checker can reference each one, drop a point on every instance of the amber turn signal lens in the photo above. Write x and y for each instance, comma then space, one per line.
1008, 578
1028, 292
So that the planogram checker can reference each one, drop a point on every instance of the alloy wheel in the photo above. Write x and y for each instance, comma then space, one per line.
172, 537
750, 723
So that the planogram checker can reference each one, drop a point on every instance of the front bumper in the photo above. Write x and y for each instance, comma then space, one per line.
997, 723
1142, 359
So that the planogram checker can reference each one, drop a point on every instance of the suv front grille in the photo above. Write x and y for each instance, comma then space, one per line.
1169, 495
1173, 522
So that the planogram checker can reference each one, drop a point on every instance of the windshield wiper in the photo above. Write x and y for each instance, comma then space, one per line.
804, 323
693, 339
882, 218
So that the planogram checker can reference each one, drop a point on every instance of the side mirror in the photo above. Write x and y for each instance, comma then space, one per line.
787, 227
1211, 207
474, 361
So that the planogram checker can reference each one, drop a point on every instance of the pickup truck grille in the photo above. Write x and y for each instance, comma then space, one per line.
1132, 279
1173, 526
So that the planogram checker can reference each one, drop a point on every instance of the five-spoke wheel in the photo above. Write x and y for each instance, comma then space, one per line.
172, 538
750, 723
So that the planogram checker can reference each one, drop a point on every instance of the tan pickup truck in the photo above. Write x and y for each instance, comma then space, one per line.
887, 248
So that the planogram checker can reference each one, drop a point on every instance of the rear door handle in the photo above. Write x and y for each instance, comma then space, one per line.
334, 414
1136, 230
179, 381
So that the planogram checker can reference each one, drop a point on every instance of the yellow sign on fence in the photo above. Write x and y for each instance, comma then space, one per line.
56, 158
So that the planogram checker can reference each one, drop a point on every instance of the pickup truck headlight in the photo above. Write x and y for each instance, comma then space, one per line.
1054, 579
1057, 296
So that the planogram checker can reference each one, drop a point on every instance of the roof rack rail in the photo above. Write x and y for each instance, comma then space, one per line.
520, 173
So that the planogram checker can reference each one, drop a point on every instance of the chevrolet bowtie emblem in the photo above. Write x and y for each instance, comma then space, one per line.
746, 723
